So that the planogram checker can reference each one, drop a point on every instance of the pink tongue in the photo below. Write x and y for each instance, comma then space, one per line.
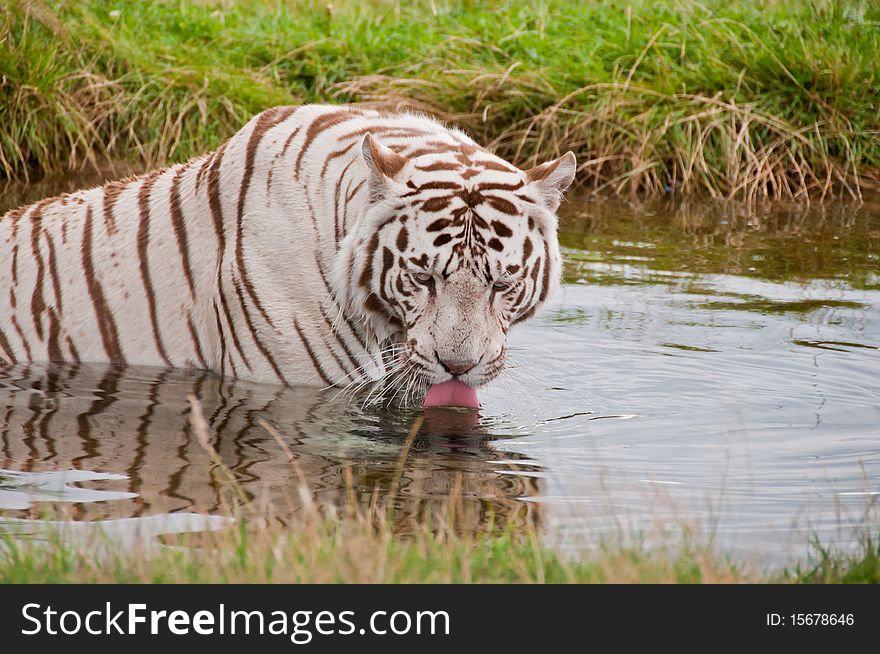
451, 393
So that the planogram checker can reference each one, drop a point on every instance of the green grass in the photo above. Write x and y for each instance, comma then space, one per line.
775, 98
332, 550
828, 566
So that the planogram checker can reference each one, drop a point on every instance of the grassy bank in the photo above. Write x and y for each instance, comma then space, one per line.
330, 550
730, 98
327, 551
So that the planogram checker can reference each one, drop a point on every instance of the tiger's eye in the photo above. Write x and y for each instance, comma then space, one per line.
502, 285
423, 278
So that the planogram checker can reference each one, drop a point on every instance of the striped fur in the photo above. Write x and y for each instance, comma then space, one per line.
327, 245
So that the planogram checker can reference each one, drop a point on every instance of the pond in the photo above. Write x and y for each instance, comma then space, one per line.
708, 370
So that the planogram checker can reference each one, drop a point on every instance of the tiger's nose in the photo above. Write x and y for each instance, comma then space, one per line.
457, 366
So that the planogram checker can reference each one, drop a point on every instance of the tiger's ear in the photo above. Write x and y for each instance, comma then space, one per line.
384, 164
553, 178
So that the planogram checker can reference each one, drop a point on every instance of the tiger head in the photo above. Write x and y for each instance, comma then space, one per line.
454, 247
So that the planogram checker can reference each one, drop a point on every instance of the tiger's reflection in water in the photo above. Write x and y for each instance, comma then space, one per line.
136, 422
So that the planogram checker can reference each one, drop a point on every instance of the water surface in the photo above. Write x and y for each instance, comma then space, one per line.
707, 369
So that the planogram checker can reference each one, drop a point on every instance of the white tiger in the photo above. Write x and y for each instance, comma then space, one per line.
328, 245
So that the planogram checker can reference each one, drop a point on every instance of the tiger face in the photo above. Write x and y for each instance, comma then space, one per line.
454, 248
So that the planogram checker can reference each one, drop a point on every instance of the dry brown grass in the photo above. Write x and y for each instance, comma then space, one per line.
702, 144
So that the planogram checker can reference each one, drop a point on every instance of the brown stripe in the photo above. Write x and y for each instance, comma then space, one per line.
366, 275
337, 228
54, 332
266, 121
312, 215
287, 143
372, 303
214, 201
497, 165
402, 241
53, 271
436, 204
353, 192
222, 339
388, 134
311, 354
499, 204
180, 229
262, 348
6, 348
14, 265
531, 292
106, 324
334, 155
231, 365
534, 289
389, 131
348, 198
440, 165
526, 250
289, 140
477, 220
38, 304
318, 125
73, 353
14, 216
111, 194
497, 186
545, 279
501, 229
232, 330
339, 362
519, 298
27, 347
143, 243
203, 169
196, 343
335, 332
434, 186
387, 264
421, 152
